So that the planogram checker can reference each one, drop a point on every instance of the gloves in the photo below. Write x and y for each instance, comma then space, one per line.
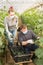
38, 38
30, 41
9, 34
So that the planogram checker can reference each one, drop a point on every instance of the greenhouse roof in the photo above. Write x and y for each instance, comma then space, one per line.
19, 5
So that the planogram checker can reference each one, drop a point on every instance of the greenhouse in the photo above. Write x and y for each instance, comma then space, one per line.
27, 14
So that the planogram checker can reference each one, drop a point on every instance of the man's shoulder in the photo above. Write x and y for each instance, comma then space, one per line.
20, 34
29, 30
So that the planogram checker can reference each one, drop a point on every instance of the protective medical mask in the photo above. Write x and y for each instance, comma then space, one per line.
11, 17
11, 13
25, 32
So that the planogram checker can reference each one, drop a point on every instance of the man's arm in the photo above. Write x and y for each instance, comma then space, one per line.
24, 43
34, 36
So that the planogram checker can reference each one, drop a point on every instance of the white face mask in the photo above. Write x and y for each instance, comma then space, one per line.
25, 32
11, 17
11, 13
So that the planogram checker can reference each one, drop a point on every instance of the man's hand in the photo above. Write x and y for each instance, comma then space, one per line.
30, 41
38, 37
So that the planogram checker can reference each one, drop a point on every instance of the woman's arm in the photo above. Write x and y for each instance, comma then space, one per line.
5, 24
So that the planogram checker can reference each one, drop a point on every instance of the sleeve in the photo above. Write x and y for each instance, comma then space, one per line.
5, 24
34, 36
16, 21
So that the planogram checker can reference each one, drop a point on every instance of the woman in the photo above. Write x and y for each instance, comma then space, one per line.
11, 25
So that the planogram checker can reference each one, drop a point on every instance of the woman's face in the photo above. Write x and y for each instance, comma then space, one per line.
11, 13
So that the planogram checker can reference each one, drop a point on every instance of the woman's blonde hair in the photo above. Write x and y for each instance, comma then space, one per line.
11, 9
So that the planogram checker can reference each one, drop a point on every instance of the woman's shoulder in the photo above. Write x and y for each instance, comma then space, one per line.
7, 17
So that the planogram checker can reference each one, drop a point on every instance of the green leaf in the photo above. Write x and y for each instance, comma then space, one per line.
39, 53
38, 61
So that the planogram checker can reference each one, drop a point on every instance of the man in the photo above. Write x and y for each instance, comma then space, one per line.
26, 38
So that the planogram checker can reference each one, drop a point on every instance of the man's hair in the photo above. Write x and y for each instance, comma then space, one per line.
23, 26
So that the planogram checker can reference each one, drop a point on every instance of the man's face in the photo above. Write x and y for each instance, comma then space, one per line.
24, 29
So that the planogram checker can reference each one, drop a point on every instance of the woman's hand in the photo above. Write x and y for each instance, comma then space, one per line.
9, 34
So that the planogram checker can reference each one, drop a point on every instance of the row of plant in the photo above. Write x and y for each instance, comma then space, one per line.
3, 42
2, 37
33, 18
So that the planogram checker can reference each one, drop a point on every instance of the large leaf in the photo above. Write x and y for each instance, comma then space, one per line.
39, 53
38, 61
41, 42
1, 43
2, 30
34, 20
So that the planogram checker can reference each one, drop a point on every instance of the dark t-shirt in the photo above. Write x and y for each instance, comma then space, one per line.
24, 37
